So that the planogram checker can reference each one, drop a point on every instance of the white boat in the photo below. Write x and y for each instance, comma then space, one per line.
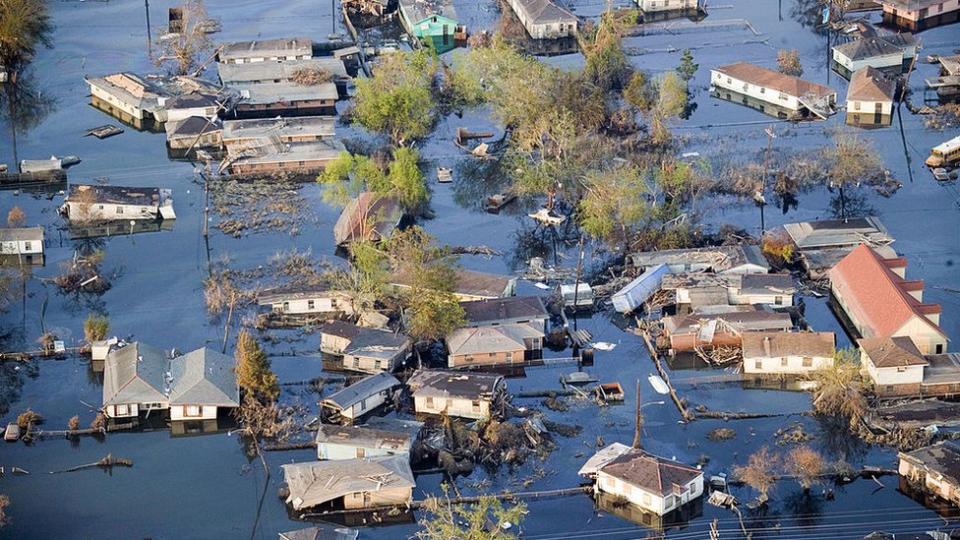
658, 384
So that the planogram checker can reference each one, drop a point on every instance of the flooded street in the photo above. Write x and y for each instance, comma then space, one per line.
206, 486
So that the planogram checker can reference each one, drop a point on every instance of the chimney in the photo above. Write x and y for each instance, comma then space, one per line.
766, 345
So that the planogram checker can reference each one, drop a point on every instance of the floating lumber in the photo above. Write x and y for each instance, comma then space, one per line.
280, 447
464, 135
684, 412
106, 462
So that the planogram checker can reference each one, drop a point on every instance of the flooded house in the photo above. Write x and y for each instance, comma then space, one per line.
707, 330
654, 6
653, 483
350, 484
325, 68
503, 311
457, 393
544, 19
512, 343
822, 244
128, 97
263, 50
240, 135
889, 53
736, 259
293, 158
194, 132
870, 98
880, 302
184, 106
470, 285
432, 22
934, 469
787, 353
361, 397
368, 216
21, 245
135, 380
390, 437
203, 384
703, 289
897, 368
367, 350
297, 300
772, 92
86, 202
916, 15
270, 99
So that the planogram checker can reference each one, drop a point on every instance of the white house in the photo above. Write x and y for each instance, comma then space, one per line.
870, 98
361, 397
203, 383
134, 381
545, 20
894, 364
24, 244
780, 353
244, 52
653, 483
306, 300
455, 393
128, 95
85, 203
184, 106
797, 96
873, 51
697, 289
649, 6
385, 437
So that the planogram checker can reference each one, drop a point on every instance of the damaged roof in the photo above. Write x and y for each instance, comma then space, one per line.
743, 321
500, 309
545, 12
296, 292
384, 212
442, 383
942, 458
783, 344
282, 70
720, 258
360, 390
867, 47
314, 483
838, 233
95, 193
299, 46
365, 437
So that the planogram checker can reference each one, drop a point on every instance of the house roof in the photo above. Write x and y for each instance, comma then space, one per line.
912, 5
296, 292
870, 84
720, 258
782, 344
877, 297
442, 383
385, 212
942, 369
269, 93
129, 88
266, 48
418, 10
491, 339
360, 390
651, 473
892, 352
135, 373
867, 47
191, 126
942, 458
321, 531
283, 70
30, 234
741, 320
314, 483
285, 127
603, 456
503, 309
469, 283
143, 196
191, 101
761, 76
341, 329
294, 152
204, 377
767, 283
374, 343
545, 11
838, 233
365, 437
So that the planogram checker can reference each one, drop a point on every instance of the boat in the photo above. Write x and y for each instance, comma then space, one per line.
444, 175
12, 433
498, 201
610, 392
104, 131
658, 384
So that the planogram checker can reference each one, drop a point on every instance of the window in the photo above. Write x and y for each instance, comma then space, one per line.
286, 306
333, 302
26, 246
728, 80
889, 388
311, 304
758, 364
856, 105
901, 370
509, 357
476, 405
119, 209
121, 410
783, 96
377, 364
491, 355
468, 358
356, 362
807, 361
430, 401
939, 348
778, 300
192, 410
763, 90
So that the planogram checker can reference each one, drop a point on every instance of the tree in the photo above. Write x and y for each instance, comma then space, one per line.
4, 503
759, 472
366, 278
672, 96
405, 179
16, 217
850, 162
184, 50
806, 464
432, 313
95, 327
639, 92
615, 203
253, 369
788, 62
687, 68
351, 174
605, 64
397, 101
839, 388
487, 519
24, 26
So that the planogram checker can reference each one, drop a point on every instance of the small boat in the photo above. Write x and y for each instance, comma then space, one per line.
12, 433
610, 391
578, 377
658, 384
498, 201
104, 131
444, 175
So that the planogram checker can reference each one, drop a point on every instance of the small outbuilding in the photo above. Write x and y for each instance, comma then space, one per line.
456, 393
351, 484
361, 397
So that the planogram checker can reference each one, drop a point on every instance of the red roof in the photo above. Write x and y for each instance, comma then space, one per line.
761, 76
877, 297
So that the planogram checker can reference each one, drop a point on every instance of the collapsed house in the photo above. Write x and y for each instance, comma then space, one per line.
387, 437
934, 469
456, 393
85, 203
736, 259
697, 290
822, 244
708, 330
787, 353
351, 484
367, 217
772, 92
366, 350
361, 397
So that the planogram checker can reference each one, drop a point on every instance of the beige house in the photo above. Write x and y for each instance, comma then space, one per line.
203, 383
455, 393
495, 345
789, 96
262, 50
135, 381
870, 98
293, 300
919, 14
782, 353
894, 364
360, 398
934, 469
351, 483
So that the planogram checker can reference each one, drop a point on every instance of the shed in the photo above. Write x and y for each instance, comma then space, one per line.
577, 295
361, 397
356, 483
638, 291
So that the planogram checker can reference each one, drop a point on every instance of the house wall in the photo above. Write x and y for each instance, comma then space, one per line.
928, 340
785, 364
78, 211
320, 304
255, 59
774, 299
333, 344
464, 408
931, 481
237, 143
385, 496
133, 409
183, 412
368, 364
208, 139
115, 102
307, 106
880, 62
688, 342
917, 15
894, 381
863, 113
365, 405
177, 115
647, 500
486, 359
666, 5
310, 165
21, 247
760, 93
338, 451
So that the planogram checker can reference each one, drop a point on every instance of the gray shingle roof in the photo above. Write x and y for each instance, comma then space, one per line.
314, 483
499, 309
204, 377
353, 394
135, 373
426, 382
33, 234
491, 339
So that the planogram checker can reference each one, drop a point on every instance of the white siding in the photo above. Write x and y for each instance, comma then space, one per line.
879, 62
124, 106
463, 408
193, 412
868, 108
666, 5
785, 364
645, 499
775, 97
334, 451
317, 304
365, 406
96, 211
21, 247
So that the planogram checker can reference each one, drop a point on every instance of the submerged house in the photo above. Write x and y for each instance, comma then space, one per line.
889, 53
277, 71
258, 100
368, 216
245, 52
736, 259
785, 95
653, 6
293, 158
456, 393
184, 106
203, 384
822, 244
388, 437
128, 97
691, 332
361, 397
470, 286
870, 98
506, 344
653, 483
135, 380
880, 302
240, 135
23, 245
697, 290
787, 353
934, 469
915, 15
510, 310
85, 202
544, 19
350, 484
194, 132
306, 300
434, 24
367, 350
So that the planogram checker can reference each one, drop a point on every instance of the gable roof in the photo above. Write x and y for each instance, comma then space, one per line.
266, 47
876, 296
887, 352
374, 343
192, 125
443, 383
491, 339
867, 47
767, 283
651, 473
314, 483
362, 389
761, 76
782, 344
469, 283
837, 232
384, 213
545, 11
500, 309
365, 437
204, 377
12, 234
870, 84
135, 373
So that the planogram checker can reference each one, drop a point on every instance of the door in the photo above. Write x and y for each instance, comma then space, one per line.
877, 113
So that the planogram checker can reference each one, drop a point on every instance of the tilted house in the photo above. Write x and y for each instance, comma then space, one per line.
736, 259
634, 294
544, 19
790, 96
934, 469
361, 397
85, 202
367, 350
368, 216
781, 353
870, 98
352, 484
456, 393
135, 380
203, 384
880, 302
306, 300
390, 437
653, 483
262, 50
512, 343
22, 244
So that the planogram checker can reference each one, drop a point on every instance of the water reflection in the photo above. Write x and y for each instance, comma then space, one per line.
23, 107
678, 519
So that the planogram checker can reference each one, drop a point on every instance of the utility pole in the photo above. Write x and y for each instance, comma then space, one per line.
146, 9
639, 420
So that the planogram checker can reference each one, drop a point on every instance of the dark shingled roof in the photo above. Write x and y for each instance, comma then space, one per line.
443, 383
495, 309
651, 473
942, 458
867, 47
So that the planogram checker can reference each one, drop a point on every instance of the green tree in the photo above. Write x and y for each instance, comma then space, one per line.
253, 369
605, 63
487, 519
672, 95
95, 327
406, 180
615, 203
639, 92
687, 68
24, 26
351, 174
398, 100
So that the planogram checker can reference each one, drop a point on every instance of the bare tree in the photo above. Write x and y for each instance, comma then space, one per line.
806, 464
788, 62
16, 217
759, 472
183, 50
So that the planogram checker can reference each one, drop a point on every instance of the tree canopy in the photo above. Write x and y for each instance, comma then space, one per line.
24, 26
487, 519
398, 100
351, 174
253, 369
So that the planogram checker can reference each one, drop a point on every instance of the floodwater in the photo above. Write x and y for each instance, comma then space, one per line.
205, 487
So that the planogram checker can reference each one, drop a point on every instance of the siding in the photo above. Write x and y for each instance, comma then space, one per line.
785, 364
207, 412
463, 408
